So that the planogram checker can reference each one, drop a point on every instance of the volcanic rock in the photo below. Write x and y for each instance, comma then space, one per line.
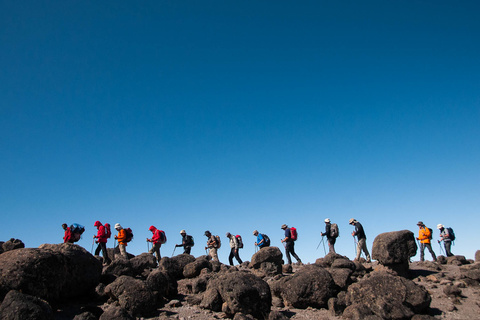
20, 306
269, 260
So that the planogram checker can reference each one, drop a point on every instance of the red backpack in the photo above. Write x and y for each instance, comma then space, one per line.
240, 241
108, 232
129, 234
293, 234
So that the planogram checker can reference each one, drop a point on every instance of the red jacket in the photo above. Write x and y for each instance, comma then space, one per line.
101, 234
156, 236
68, 237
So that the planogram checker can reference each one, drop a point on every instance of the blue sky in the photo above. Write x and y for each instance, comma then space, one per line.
235, 116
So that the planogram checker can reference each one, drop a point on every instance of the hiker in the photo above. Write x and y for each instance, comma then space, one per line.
187, 242
446, 237
157, 241
289, 244
331, 235
262, 240
362, 240
122, 240
212, 246
68, 237
101, 237
424, 235
234, 247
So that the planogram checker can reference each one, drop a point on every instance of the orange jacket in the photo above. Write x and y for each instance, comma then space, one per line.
424, 235
122, 237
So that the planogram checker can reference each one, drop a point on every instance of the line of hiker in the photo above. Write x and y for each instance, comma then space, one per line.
74, 232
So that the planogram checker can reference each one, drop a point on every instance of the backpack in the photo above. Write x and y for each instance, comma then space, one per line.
129, 235
240, 241
108, 232
218, 242
334, 231
190, 242
266, 240
163, 236
293, 234
77, 230
451, 234
430, 236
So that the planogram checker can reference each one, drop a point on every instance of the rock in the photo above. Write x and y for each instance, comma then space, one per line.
457, 260
269, 260
477, 256
193, 269
119, 267
51, 272
133, 295
142, 262
422, 317
238, 291
310, 286
174, 266
341, 277
200, 284
359, 312
432, 278
394, 250
344, 264
452, 291
241, 316
287, 268
442, 259
116, 313
12, 244
277, 315
329, 259
388, 296
162, 283
20, 306
336, 306
85, 316
174, 303
471, 272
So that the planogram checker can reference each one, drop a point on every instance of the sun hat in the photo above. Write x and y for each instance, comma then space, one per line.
284, 226
327, 220
118, 226
182, 231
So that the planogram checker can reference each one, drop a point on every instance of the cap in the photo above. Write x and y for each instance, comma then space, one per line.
255, 232
206, 233
284, 226
327, 220
420, 223
351, 221
118, 226
228, 234
182, 231
440, 226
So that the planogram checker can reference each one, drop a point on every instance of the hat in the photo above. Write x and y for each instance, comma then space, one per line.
440, 226
206, 233
97, 224
152, 228
228, 234
351, 221
420, 223
255, 232
284, 226
327, 220
118, 226
182, 231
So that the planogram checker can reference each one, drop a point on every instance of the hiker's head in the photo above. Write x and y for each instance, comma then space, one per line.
97, 224
352, 221
283, 227
64, 226
152, 228
183, 232
440, 226
327, 220
207, 233
228, 234
255, 232
118, 226
420, 224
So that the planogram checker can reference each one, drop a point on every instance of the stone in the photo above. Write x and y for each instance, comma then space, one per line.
142, 262
119, 267
162, 283
277, 315
132, 295
341, 277
17, 305
174, 266
114, 312
457, 260
51, 272
452, 291
394, 249
269, 260
194, 268
477, 256
12, 244
85, 316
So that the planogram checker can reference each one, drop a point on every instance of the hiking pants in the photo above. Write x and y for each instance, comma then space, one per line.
212, 252
422, 251
362, 245
123, 250
103, 247
331, 245
156, 249
448, 248
186, 249
290, 249
233, 254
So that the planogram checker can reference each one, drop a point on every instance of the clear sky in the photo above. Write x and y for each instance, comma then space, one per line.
239, 115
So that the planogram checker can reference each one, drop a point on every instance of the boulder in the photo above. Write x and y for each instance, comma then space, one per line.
193, 269
238, 291
142, 262
85, 316
51, 272
163, 284
395, 247
132, 295
12, 244
116, 313
119, 267
269, 260
477, 256
174, 266
20, 306
310, 286
387, 296
329, 259
457, 260
341, 277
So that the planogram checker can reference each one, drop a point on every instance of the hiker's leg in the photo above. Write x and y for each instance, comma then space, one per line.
230, 257
365, 250
237, 256
359, 250
448, 247
213, 254
429, 247
287, 253
186, 249
422, 251
99, 248
292, 251
123, 251
331, 245
157, 251
106, 259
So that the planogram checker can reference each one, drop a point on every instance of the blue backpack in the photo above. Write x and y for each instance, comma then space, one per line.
451, 234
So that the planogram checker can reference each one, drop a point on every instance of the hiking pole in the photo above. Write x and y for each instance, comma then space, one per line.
148, 246
441, 250
174, 250
93, 243
256, 248
324, 250
319, 243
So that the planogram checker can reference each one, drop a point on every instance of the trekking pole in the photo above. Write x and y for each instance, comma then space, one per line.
319, 243
148, 246
256, 248
324, 250
174, 250
355, 245
441, 249
93, 243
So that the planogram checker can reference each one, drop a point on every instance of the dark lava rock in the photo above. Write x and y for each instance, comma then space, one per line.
269, 260
19, 306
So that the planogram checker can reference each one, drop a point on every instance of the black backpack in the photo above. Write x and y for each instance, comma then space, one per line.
266, 241
451, 234
190, 242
